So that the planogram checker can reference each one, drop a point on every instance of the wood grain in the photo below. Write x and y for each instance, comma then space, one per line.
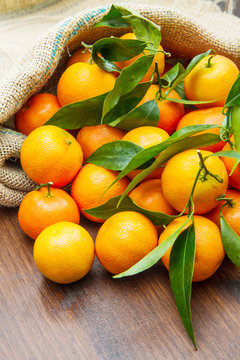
102, 318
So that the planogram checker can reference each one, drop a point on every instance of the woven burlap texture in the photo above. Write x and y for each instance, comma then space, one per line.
183, 35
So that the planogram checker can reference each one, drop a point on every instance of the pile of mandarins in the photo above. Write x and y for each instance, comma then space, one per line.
53, 158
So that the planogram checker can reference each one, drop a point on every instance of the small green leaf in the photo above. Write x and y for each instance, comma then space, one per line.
146, 114
233, 98
114, 155
181, 267
143, 28
168, 78
155, 255
231, 241
126, 104
110, 208
126, 82
235, 124
189, 102
82, 113
231, 154
115, 49
179, 146
113, 18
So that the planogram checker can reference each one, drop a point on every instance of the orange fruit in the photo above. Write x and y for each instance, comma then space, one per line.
169, 112
234, 179
159, 58
209, 252
64, 252
231, 211
82, 81
179, 175
146, 136
79, 56
211, 82
211, 116
123, 240
41, 208
51, 154
149, 195
89, 185
92, 137
37, 110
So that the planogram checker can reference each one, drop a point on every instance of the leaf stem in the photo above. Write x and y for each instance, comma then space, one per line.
210, 58
48, 185
206, 172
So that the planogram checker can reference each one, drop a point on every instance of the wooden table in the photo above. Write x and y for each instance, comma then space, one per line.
100, 318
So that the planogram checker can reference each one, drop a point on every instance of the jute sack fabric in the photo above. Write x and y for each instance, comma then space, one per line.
182, 35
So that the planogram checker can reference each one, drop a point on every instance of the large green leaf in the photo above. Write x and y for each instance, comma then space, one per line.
168, 78
126, 103
155, 255
114, 155
146, 114
181, 267
115, 49
110, 208
143, 28
113, 18
231, 241
83, 113
126, 82
233, 98
235, 124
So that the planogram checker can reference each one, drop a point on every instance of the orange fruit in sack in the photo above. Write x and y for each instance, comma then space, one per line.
209, 252
212, 82
146, 136
51, 154
231, 211
82, 81
169, 112
123, 240
41, 208
92, 137
79, 56
159, 58
211, 116
89, 185
64, 252
179, 175
37, 110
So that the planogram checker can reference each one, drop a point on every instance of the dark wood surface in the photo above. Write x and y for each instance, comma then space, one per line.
102, 318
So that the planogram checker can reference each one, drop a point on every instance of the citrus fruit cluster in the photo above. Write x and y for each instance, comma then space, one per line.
145, 146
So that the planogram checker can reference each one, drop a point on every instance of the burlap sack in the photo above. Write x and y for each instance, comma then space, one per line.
182, 35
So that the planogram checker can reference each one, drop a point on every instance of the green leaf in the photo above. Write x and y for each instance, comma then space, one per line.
147, 154
82, 113
155, 255
231, 154
189, 68
115, 49
168, 78
146, 114
114, 155
231, 241
126, 82
179, 146
181, 267
235, 124
110, 208
189, 102
143, 28
126, 103
114, 18
233, 98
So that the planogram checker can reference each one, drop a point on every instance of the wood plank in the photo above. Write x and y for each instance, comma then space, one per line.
102, 318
